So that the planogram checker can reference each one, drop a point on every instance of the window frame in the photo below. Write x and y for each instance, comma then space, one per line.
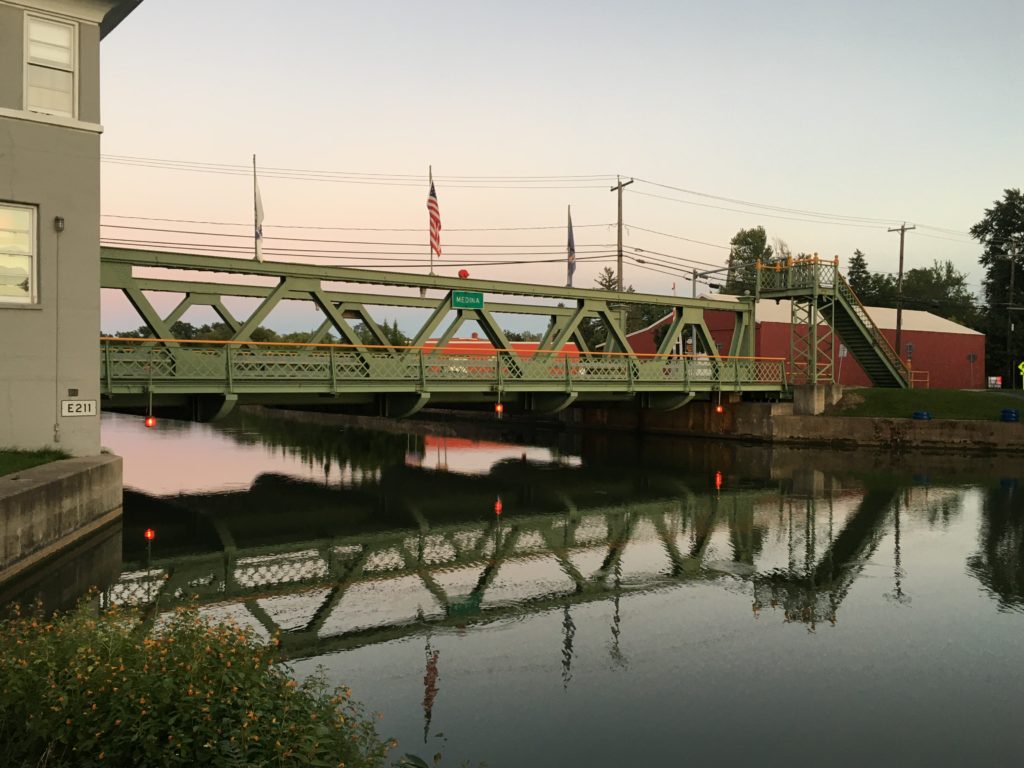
27, 63
33, 292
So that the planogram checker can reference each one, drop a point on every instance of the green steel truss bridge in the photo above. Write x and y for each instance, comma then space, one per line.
347, 591
207, 379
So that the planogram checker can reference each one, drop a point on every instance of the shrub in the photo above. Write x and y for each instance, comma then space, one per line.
80, 690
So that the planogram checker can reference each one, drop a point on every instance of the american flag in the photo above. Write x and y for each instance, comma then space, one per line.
435, 221
571, 250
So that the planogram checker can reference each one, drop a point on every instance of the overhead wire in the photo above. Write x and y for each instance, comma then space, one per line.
348, 229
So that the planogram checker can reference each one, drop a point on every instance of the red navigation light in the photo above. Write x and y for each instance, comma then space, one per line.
151, 421
718, 481
498, 506
150, 534
463, 273
719, 408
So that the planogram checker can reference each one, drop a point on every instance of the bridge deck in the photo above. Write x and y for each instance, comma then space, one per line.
133, 368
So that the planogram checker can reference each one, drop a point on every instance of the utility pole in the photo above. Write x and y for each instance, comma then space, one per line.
903, 229
1010, 378
693, 329
619, 187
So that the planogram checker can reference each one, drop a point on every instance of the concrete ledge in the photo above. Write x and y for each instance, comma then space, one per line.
937, 434
777, 423
46, 509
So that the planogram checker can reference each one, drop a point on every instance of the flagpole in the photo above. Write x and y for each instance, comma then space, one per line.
255, 215
430, 175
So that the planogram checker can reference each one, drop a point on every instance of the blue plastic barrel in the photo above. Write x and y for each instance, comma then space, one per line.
922, 415
1010, 414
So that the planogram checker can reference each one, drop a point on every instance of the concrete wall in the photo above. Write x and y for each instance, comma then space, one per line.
51, 348
937, 434
777, 423
45, 510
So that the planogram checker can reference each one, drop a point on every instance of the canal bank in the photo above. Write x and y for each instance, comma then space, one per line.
775, 423
60, 528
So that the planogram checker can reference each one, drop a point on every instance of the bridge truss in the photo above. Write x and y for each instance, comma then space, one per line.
365, 368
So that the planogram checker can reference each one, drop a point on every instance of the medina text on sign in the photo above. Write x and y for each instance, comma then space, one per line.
467, 300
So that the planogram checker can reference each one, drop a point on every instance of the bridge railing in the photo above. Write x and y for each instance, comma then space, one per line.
146, 362
800, 274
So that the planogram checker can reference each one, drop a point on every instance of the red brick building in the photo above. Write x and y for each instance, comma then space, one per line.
942, 354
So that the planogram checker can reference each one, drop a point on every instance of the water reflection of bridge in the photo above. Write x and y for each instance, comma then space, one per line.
372, 565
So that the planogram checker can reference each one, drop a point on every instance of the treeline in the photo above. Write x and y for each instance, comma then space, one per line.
940, 289
222, 332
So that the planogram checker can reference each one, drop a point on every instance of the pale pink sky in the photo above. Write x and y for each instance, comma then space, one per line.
891, 112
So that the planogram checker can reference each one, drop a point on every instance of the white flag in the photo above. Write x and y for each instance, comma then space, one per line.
257, 212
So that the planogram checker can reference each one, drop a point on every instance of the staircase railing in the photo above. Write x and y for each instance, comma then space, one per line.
853, 301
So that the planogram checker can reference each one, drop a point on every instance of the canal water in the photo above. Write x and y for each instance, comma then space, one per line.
600, 600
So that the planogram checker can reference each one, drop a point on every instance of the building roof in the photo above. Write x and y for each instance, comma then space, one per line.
770, 311
116, 15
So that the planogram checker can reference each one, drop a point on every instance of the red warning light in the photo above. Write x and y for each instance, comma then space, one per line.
718, 481
151, 421
719, 408
463, 273
150, 534
498, 506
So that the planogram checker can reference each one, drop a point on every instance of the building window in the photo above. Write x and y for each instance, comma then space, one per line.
50, 59
17, 254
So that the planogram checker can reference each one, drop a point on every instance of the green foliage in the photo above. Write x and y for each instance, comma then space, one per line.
1001, 231
637, 315
748, 247
223, 332
858, 275
12, 460
84, 691
879, 402
523, 336
940, 289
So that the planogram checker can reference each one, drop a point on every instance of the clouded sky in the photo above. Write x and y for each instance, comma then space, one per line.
877, 112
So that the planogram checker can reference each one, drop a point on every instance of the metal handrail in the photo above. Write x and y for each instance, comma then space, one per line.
879, 338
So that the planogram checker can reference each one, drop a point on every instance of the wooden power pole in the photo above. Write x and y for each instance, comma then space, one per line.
903, 229
619, 187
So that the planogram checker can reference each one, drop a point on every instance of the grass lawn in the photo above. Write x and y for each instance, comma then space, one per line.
984, 405
15, 461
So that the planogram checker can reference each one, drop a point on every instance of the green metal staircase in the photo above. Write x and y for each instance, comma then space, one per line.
819, 285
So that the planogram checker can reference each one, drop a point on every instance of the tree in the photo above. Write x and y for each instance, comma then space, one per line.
857, 273
941, 290
1001, 231
749, 246
637, 315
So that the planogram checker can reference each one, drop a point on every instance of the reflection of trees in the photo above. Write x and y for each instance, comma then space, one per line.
318, 445
999, 564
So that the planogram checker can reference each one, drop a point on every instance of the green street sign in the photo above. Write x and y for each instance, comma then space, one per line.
467, 300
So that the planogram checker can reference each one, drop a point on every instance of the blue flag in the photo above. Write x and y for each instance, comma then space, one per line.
571, 250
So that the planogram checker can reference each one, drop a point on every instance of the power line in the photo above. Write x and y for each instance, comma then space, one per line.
334, 179
678, 237
346, 242
248, 224
766, 206
758, 213
419, 177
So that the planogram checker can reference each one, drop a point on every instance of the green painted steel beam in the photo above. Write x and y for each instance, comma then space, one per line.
328, 273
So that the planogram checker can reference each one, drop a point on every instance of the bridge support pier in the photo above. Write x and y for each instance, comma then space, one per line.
213, 407
812, 399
